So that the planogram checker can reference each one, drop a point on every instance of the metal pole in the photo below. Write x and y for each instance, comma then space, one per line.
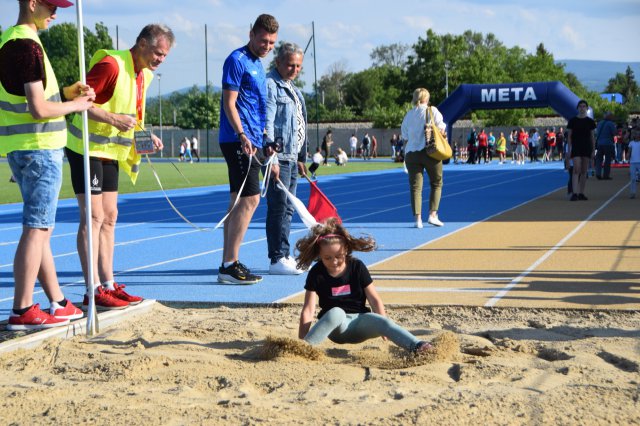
446, 76
92, 314
206, 88
160, 104
117, 38
315, 79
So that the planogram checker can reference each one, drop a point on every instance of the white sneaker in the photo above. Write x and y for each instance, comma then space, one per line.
291, 261
434, 221
419, 223
284, 267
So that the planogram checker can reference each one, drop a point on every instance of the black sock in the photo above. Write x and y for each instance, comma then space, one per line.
21, 311
63, 303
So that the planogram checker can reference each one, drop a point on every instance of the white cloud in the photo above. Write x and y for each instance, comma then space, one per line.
572, 37
418, 22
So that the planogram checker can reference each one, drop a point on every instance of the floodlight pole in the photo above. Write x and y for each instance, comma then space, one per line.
206, 88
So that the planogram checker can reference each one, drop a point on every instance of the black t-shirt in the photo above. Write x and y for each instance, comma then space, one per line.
21, 62
345, 291
581, 129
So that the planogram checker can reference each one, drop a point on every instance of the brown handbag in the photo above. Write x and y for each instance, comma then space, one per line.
436, 144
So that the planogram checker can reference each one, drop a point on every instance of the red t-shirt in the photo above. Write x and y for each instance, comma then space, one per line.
523, 137
551, 138
103, 77
482, 139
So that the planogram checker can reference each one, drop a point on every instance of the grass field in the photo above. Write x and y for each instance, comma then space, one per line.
198, 174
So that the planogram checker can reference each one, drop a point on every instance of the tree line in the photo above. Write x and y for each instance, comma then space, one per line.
381, 93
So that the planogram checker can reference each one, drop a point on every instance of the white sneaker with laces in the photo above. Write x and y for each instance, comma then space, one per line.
433, 220
283, 267
419, 223
291, 261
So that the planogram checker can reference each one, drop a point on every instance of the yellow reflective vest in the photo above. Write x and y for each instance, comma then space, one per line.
105, 140
19, 131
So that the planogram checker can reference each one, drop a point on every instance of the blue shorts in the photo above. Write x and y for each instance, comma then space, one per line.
39, 176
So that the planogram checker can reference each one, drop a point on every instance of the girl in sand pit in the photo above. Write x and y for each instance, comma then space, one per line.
343, 285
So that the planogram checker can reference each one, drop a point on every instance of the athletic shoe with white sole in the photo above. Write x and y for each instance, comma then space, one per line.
34, 319
284, 267
68, 311
105, 301
237, 273
123, 295
433, 220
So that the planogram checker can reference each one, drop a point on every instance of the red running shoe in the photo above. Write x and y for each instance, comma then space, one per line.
123, 295
69, 312
105, 301
34, 319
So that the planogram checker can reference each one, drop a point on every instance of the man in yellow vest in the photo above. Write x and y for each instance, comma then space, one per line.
120, 79
33, 132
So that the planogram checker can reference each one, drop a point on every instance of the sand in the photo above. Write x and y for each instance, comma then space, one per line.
179, 365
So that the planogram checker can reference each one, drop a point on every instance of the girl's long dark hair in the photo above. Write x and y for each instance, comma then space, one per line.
330, 232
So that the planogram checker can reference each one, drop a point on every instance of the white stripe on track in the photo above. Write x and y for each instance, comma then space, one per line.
502, 293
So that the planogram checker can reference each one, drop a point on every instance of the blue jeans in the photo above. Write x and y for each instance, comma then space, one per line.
341, 327
604, 155
280, 211
38, 173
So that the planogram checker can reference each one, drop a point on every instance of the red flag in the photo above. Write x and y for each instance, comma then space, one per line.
320, 206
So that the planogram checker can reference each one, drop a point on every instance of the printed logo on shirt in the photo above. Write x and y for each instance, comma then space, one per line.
343, 290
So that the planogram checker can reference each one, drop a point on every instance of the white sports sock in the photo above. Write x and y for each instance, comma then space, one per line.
108, 285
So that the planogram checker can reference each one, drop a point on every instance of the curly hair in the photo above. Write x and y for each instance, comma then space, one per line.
330, 232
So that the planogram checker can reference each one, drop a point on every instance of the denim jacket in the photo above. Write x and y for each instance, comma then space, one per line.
281, 117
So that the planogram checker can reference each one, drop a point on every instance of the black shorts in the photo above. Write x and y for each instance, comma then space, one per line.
103, 173
237, 165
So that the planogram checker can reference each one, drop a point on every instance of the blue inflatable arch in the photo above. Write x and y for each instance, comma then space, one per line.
469, 97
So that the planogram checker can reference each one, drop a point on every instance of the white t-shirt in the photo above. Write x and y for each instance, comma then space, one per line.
317, 158
353, 141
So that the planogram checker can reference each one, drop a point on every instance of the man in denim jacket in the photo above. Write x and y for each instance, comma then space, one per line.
285, 125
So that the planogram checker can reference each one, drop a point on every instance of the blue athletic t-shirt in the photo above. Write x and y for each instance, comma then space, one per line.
243, 72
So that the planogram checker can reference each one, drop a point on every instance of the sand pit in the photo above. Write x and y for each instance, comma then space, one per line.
243, 365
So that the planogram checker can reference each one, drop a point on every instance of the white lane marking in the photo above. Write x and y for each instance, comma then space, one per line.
495, 299
436, 278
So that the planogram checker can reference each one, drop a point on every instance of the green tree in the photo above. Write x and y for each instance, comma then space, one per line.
625, 84
394, 55
61, 44
330, 88
375, 87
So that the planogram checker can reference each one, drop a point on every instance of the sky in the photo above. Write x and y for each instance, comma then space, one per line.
346, 31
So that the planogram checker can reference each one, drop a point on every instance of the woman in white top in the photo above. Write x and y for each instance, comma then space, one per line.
416, 158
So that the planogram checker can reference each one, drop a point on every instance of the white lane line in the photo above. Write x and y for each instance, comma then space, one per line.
495, 299
436, 278
434, 290
283, 299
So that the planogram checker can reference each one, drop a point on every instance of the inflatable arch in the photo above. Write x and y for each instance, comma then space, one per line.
469, 97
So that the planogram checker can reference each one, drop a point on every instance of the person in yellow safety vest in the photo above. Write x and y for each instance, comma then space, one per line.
33, 132
120, 79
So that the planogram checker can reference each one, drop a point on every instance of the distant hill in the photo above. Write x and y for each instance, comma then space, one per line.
596, 74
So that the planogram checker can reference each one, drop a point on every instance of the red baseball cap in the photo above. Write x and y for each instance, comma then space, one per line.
60, 3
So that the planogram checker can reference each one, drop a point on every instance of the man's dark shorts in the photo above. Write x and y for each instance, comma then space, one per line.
102, 172
238, 166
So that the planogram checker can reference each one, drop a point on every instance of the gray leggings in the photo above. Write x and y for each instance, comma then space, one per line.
341, 327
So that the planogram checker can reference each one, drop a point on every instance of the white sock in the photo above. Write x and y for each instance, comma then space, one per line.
108, 285
227, 264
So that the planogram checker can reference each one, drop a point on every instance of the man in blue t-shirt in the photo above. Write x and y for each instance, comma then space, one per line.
605, 148
242, 121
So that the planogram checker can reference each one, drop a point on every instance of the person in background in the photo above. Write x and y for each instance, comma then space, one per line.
501, 147
327, 141
582, 143
194, 147
316, 160
341, 157
606, 134
286, 124
634, 162
416, 158
33, 132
